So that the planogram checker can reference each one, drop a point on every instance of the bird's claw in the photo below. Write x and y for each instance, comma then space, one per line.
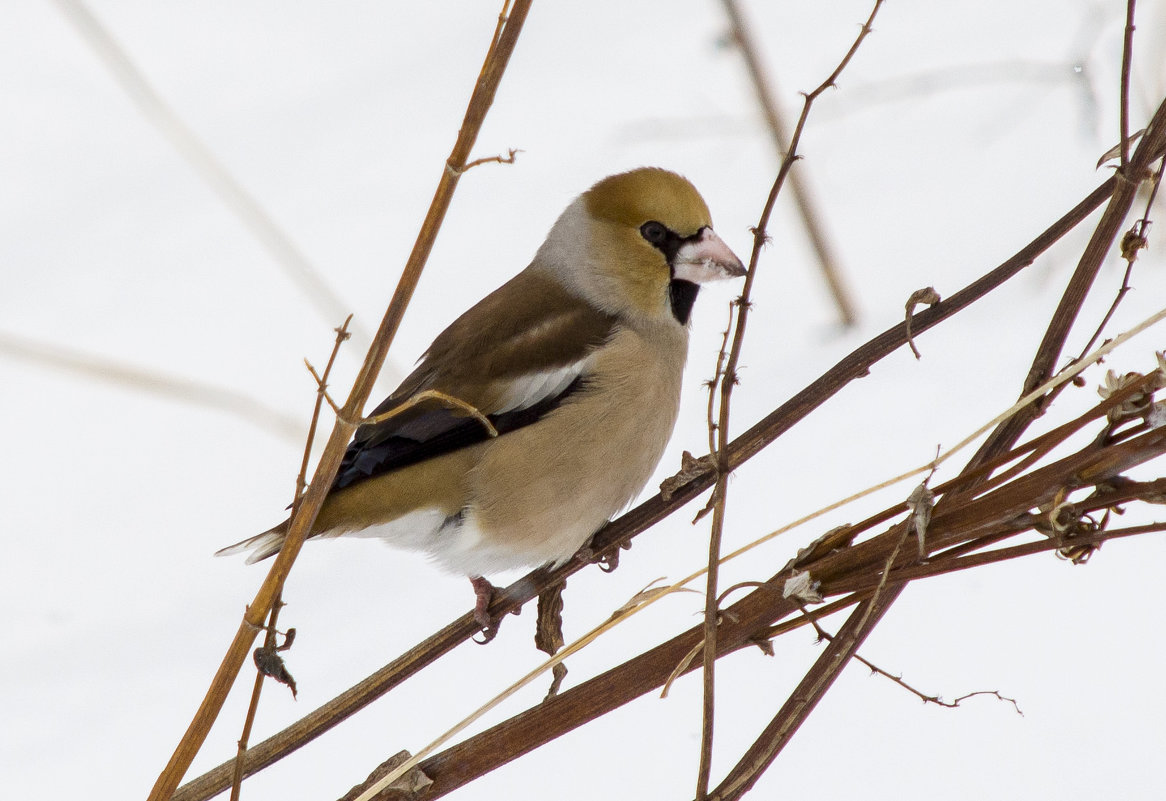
484, 593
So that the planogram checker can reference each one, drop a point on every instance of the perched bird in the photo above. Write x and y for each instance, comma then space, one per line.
576, 364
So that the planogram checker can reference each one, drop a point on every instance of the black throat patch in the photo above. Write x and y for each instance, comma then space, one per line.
683, 295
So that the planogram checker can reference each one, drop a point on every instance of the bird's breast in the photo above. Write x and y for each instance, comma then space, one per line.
538, 494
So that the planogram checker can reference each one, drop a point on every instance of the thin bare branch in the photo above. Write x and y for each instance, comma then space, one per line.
507, 159
483, 96
269, 643
253, 707
898, 679
728, 381
1127, 57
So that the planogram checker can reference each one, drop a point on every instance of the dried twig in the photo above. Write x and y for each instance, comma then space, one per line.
1127, 57
499, 159
501, 48
728, 381
269, 643
1133, 241
441, 397
252, 707
898, 679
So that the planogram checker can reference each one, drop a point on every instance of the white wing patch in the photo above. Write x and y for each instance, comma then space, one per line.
532, 388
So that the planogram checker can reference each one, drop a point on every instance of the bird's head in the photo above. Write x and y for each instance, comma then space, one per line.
639, 244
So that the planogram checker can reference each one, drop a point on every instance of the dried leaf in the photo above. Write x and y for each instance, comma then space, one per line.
922, 501
1156, 417
650, 593
271, 664
1131, 243
766, 646
802, 588
548, 632
411, 784
1115, 151
690, 468
1135, 406
926, 295
834, 539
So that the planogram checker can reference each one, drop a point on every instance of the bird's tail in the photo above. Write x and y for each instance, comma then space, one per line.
261, 546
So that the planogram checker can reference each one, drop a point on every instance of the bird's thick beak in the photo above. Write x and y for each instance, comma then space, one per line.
706, 258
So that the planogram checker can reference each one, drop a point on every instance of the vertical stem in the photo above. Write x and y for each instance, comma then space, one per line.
501, 47
728, 381
253, 707
1127, 55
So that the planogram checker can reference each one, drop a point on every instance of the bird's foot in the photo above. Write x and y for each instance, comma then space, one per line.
607, 561
484, 593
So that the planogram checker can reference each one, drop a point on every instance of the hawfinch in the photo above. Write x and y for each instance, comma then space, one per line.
576, 362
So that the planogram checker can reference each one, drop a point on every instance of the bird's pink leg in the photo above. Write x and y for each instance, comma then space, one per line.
483, 596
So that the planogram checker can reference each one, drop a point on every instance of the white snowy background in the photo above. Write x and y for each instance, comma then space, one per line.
958, 133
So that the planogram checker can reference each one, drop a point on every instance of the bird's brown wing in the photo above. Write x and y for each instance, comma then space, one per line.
527, 359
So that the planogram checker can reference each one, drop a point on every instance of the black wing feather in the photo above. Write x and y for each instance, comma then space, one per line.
428, 432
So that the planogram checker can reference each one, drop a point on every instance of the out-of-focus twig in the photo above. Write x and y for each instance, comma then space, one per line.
207, 166
171, 387
803, 198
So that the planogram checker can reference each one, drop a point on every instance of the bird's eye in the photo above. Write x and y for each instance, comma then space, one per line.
654, 232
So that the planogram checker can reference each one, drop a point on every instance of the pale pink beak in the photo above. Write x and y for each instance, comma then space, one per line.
706, 259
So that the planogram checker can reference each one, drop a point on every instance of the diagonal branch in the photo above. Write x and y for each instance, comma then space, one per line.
497, 57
